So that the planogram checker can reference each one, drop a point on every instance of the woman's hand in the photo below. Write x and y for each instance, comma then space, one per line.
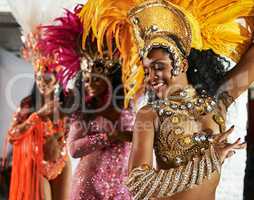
17, 130
53, 147
120, 136
225, 149
49, 109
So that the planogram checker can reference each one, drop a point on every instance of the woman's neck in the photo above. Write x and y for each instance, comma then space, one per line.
177, 87
47, 98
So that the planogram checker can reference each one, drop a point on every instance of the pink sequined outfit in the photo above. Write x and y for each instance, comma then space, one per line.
103, 164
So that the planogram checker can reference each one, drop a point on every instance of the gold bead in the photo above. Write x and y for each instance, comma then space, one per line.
175, 119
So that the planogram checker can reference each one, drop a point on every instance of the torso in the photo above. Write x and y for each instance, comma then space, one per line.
55, 156
100, 174
174, 144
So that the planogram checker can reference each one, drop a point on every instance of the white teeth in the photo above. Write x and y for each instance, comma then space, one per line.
157, 85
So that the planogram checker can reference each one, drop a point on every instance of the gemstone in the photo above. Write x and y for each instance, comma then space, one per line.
174, 106
209, 108
161, 112
178, 160
175, 119
154, 28
135, 21
189, 105
183, 93
196, 138
168, 113
203, 138
164, 158
183, 107
201, 101
213, 103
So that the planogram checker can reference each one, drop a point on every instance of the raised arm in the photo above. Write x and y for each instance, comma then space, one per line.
81, 143
240, 77
142, 141
145, 182
21, 122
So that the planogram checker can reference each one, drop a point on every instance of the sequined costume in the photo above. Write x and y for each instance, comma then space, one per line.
103, 164
29, 163
184, 159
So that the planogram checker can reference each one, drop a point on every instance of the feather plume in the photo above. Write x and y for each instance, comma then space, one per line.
61, 42
213, 24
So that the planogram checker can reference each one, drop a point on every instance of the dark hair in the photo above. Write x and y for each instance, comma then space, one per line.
206, 70
116, 81
35, 99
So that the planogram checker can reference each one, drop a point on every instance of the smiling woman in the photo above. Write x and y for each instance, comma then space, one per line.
184, 124
158, 67
100, 129
187, 124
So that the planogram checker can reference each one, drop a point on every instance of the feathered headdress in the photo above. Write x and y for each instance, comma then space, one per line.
212, 22
27, 160
62, 42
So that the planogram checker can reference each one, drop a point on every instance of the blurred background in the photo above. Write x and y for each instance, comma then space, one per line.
16, 78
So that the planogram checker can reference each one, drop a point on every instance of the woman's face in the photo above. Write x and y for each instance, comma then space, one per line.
158, 73
95, 84
46, 82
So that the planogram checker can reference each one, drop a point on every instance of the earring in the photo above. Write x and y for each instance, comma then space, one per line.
175, 71
150, 96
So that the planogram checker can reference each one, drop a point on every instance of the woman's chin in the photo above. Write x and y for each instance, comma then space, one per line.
161, 93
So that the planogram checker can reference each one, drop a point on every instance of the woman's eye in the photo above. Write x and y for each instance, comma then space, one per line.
158, 66
146, 73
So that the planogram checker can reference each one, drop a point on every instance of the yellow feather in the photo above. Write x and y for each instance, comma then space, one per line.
212, 23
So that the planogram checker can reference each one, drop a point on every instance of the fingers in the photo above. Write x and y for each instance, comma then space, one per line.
241, 146
222, 137
236, 145
230, 154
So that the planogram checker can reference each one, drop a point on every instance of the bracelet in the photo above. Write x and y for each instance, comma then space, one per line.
144, 182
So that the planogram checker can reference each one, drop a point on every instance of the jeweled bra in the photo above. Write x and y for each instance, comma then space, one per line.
173, 146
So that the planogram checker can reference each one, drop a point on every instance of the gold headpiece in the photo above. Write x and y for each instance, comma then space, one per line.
95, 63
212, 24
160, 23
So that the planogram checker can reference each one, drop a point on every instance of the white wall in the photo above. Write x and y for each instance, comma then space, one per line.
232, 178
16, 79
4, 6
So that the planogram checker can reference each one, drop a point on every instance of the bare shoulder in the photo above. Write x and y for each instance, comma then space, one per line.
147, 112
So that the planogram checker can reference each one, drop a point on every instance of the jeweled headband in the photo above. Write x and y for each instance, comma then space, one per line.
161, 24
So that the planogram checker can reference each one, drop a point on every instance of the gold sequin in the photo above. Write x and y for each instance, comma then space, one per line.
175, 119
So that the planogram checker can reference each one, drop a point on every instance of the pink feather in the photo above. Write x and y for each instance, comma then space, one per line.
61, 42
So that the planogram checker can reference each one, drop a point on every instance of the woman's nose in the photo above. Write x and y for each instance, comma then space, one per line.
152, 76
88, 79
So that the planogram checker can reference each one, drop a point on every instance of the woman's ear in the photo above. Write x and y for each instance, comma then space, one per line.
185, 65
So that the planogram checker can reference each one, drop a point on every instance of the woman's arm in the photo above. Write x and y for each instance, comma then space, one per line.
241, 76
143, 137
20, 123
81, 143
145, 182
